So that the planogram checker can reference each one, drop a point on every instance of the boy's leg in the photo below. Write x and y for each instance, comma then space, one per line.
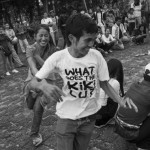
83, 135
65, 131
37, 118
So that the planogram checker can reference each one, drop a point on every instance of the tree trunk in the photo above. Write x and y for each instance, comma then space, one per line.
84, 2
38, 8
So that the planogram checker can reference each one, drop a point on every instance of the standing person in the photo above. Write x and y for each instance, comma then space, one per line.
136, 5
62, 25
109, 107
131, 21
11, 34
55, 25
83, 71
48, 21
36, 55
99, 19
15, 56
6, 52
134, 127
146, 5
20, 31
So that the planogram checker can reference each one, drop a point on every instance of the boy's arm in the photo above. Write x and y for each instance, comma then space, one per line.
52, 92
112, 94
32, 65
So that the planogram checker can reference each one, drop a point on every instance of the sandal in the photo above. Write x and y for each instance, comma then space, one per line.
37, 140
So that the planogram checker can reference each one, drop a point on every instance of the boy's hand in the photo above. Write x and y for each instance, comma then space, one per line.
52, 92
127, 102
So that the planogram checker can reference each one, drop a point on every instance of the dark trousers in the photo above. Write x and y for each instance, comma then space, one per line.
143, 140
141, 136
140, 39
131, 27
16, 47
106, 47
106, 112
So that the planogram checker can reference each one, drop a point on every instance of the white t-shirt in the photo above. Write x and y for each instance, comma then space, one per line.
107, 39
137, 9
47, 21
103, 96
80, 82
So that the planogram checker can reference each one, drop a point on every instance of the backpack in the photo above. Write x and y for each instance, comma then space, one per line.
6, 51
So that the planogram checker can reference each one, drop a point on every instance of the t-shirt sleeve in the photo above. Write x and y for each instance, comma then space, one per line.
48, 67
104, 38
103, 74
115, 84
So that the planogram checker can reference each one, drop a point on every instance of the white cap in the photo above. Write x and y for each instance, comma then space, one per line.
147, 69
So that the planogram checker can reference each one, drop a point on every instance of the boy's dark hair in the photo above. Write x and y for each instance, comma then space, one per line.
117, 18
78, 24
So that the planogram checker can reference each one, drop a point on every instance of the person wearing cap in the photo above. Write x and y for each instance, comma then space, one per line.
134, 126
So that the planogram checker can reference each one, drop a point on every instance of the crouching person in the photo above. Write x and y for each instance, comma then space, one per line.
134, 126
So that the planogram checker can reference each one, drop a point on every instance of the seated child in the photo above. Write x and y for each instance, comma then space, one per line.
98, 42
108, 41
139, 35
109, 107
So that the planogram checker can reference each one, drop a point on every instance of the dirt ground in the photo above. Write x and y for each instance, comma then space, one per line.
15, 119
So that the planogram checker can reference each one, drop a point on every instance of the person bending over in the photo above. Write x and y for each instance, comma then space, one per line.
134, 127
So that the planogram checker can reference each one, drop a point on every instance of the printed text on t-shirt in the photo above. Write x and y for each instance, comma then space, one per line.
81, 81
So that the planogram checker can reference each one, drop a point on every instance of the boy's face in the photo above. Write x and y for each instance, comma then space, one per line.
82, 46
107, 32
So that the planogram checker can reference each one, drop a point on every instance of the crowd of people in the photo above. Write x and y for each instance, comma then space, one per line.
92, 92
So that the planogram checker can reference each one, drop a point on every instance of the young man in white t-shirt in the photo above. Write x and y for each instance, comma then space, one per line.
83, 71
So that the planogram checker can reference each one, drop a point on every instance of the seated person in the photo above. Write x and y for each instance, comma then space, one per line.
134, 126
98, 42
108, 41
109, 107
139, 35
120, 34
